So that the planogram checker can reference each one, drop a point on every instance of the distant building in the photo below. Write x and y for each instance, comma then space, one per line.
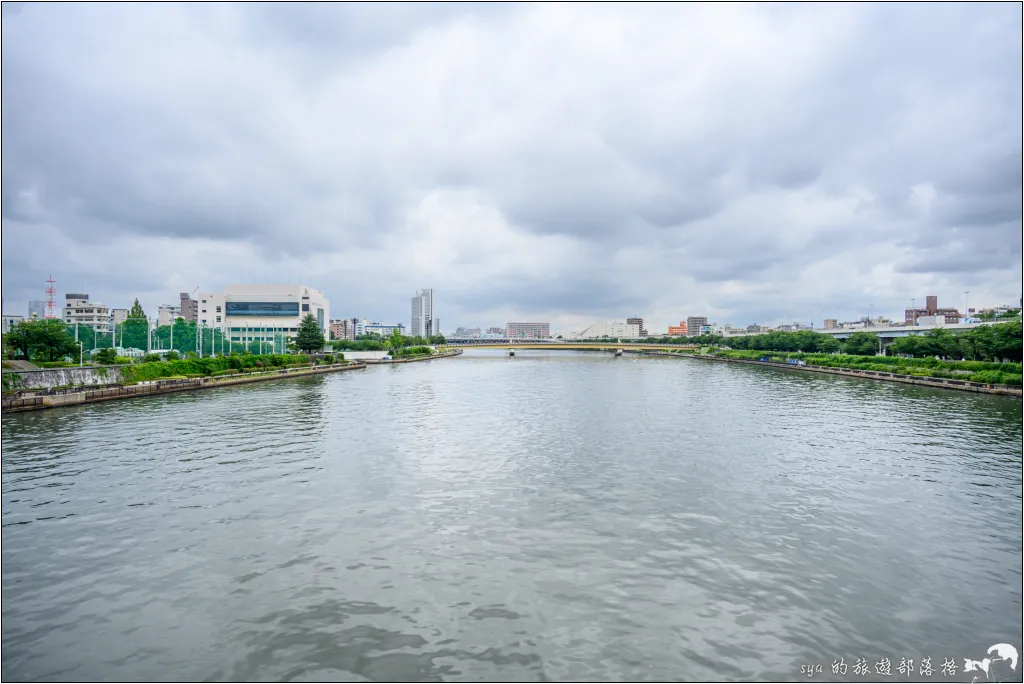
188, 308
11, 320
694, 324
677, 330
831, 324
755, 328
166, 314
639, 322
343, 329
383, 329
117, 317
425, 322
911, 316
937, 320
528, 330
79, 310
467, 332
37, 308
253, 312
496, 331
617, 329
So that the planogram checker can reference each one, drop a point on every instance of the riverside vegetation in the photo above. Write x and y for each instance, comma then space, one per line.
987, 372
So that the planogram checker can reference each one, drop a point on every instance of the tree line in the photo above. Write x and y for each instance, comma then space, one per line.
983, 343
374, 342
51, 339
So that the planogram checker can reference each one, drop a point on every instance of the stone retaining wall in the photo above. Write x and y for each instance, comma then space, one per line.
28, 401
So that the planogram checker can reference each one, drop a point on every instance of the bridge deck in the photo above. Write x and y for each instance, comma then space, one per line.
567, 345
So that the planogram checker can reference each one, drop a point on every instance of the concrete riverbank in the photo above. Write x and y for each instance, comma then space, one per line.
414, 359
35, 400
942, 383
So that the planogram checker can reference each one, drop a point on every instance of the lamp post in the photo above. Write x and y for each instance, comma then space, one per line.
81, 356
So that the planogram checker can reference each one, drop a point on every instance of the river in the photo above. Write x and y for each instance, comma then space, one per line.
555, 516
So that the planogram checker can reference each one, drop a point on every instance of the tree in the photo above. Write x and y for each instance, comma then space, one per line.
105, 356
44, 340
862, 343
395, 340
136, 310
309, 337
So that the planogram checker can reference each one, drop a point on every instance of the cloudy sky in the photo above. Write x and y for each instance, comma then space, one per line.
751, 163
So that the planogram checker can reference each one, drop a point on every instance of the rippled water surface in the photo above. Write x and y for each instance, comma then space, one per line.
557, 516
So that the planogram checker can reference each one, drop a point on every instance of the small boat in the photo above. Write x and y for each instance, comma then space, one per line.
511, 352
618, 352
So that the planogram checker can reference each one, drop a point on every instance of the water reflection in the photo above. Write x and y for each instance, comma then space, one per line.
552, 516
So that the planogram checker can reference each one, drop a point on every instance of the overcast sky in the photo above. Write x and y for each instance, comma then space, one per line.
568, 163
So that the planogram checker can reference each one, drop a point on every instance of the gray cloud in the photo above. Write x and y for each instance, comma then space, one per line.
739, 161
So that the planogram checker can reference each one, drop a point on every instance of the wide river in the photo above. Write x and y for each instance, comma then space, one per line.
555, 516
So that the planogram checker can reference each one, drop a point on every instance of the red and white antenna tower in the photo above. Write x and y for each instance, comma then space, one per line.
51, 302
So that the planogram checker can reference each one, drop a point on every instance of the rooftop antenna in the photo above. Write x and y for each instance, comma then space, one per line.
51, 304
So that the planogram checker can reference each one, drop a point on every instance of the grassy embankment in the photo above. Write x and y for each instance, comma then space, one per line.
987, 372
213, 367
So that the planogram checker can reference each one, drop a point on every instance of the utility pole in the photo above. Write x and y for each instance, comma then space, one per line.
966, 292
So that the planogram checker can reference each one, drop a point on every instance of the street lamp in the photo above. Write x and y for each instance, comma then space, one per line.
81, 355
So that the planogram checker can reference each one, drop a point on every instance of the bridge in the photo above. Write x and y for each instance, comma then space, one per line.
543, 343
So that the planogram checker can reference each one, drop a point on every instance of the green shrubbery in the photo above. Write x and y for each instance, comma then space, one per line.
201, 367
986, 372
411, 352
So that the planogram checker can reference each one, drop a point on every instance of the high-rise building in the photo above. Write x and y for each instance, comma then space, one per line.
677, 330
831, 323
424, 321
639, 322
37, 308
78, 309
695, 323
496, 331
188, 308
528, 330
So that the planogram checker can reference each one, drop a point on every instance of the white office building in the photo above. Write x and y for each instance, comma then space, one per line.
382, 329
616, 329
11, 320
78, 309
424, 315
267, 314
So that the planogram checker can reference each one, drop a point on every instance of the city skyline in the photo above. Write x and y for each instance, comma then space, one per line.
744, 163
